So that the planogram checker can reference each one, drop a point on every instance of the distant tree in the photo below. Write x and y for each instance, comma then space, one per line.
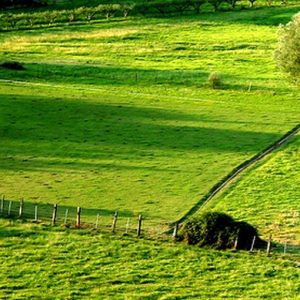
252, 3
232, 3
215, 3
22, 3
287, 53
196, 4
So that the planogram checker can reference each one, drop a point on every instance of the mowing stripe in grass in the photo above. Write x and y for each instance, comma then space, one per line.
235, 172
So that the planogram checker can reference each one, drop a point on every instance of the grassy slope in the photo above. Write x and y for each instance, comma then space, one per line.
268, 195
51, 264
117, 115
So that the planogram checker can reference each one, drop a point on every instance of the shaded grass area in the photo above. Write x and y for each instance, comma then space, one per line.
43, 260
109, 154
268, 195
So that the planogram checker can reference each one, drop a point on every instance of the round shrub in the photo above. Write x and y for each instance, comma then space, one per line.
219, 231
214, 80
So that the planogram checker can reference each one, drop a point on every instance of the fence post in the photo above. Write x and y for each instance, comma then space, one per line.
235, 246
78, 217
66, 216
139, 229
285, 247
36, 213
21, 208
127, 225
2, 205
114, 224
9, 208
54, 214
97, 221
253, 243
269, 246
175, 232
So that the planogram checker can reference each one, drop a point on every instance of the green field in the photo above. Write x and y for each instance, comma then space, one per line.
42, 263
268, 195
118, 115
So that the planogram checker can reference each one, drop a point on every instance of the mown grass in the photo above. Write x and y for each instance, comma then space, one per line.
268, 195
46, 263
118, 115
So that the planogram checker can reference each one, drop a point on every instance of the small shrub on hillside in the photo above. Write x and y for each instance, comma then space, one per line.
12, 65
219, 231
214, 80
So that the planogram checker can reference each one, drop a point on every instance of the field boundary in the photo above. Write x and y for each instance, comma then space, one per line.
224, 182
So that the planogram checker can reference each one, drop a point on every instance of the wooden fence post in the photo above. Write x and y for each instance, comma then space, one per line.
2, 205
78, 217
54, 214
97, 221
253, 243
269, 246
285, 247
175, 232
139, 229
235, 246
114, 224
21, 209
127, 225
36, 213
66, 216
9, 208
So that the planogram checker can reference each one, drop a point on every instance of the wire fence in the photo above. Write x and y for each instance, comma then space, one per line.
124, 223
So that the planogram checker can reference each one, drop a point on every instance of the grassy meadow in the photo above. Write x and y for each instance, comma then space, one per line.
45, 263
118, 114
268, 195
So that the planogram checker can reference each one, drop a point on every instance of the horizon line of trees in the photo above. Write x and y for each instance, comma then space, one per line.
10, 20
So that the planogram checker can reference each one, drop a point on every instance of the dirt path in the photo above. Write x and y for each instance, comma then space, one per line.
223, 183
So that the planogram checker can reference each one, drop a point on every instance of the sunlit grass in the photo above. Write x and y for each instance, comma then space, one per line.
268, 195
119, 115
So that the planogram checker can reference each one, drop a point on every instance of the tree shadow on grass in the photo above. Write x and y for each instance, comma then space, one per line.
47, 130
115, 76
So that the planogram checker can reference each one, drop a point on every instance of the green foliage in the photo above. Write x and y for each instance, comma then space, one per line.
219, 231
214, 80
12, 65
287, 53
215, 3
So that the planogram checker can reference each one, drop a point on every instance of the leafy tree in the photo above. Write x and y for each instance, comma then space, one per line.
252, 3
287, 53
215, 3
232, 3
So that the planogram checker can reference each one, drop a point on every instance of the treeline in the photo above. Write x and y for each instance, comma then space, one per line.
87, 14
22, 3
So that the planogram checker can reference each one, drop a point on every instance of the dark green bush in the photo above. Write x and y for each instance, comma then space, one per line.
12, 65
219, 231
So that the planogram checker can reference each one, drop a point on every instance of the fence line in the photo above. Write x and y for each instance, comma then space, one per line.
76, 217
72, 217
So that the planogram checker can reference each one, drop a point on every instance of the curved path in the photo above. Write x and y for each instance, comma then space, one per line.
219, 186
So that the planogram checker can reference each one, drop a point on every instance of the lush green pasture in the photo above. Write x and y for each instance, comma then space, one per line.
268, 195
118, 115
42, 263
